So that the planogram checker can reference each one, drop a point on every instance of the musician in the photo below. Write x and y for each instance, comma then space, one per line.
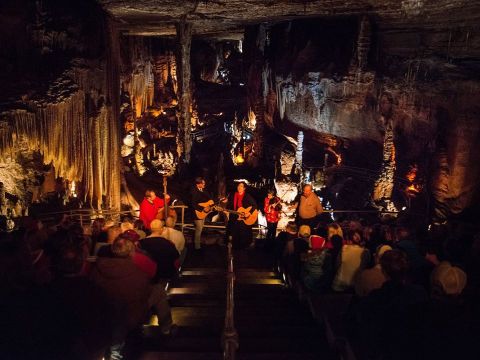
202, 201
241, 233
272, 209
150, 207
308, 207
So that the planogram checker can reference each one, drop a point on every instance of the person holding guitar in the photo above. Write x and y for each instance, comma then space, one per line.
242, 217
150, 206
272, 209
202, 203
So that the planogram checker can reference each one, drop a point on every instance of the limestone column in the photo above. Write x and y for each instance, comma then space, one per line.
299, 156
383, 188
184, 41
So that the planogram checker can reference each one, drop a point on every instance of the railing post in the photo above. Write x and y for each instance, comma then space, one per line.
230, 335
183, 218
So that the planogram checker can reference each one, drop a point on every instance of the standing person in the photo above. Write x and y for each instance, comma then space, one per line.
272, 208
308, 207
150, 206
202, 201
241, 232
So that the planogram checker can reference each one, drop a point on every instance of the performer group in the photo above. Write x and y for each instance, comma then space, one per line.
239, 207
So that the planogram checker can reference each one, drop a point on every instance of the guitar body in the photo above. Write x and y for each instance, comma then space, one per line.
207, 209
250, 220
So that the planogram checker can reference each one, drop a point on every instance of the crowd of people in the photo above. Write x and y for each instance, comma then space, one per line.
414, 294
73, 292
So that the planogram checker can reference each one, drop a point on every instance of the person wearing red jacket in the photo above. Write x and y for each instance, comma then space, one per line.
150, 206
272, 210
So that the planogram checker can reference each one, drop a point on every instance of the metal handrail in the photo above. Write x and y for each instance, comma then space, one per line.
230, 335
88, 214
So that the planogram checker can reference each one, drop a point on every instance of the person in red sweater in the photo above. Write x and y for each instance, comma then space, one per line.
150, 206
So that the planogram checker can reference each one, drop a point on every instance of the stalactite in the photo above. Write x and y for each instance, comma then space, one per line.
184, 40
363, 43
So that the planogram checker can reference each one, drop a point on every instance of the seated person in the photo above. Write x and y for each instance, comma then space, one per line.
371, 279
352, 259
161, 250
317, 266
130, 293
389, 320
176, 237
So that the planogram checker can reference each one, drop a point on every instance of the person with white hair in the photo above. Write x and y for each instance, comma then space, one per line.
308, 207
175, 236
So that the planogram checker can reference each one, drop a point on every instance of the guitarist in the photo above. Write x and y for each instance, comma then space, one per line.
241, 233
201, 202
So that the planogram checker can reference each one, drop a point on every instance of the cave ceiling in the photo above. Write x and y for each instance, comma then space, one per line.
227, 18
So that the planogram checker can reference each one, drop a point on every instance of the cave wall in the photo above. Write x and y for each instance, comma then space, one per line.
348, 78
60, 96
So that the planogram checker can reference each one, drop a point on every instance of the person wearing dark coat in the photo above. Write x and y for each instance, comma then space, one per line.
200, 196
241, 232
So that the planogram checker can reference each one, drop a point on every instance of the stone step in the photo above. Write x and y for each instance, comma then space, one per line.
152, 355
157, 355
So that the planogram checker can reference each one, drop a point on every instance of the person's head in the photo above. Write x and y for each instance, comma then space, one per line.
131, 235
334, 229
382, 249
307, 190
108, 224
123, 247
170, 222
150, 195
304, 231
126, 225
270, 194
97, 226
69, 260
447, 280
291, 228
241, 187
200, 182
355, 237
156, 226
139, 225
394, 265
112, 233
401, 233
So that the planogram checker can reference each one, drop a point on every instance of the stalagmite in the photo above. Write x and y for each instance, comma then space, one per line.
299, 155
383, 188
184, 40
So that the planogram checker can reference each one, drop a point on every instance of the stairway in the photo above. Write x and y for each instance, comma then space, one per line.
271, 323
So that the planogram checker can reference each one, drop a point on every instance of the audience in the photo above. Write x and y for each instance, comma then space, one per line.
416, 298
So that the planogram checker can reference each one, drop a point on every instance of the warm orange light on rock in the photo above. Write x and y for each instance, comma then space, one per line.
239, 159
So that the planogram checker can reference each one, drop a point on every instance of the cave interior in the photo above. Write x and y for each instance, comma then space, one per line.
374, 103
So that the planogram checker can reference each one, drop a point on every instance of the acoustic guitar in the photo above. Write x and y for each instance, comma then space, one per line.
165, 212
241, 212
207, 209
